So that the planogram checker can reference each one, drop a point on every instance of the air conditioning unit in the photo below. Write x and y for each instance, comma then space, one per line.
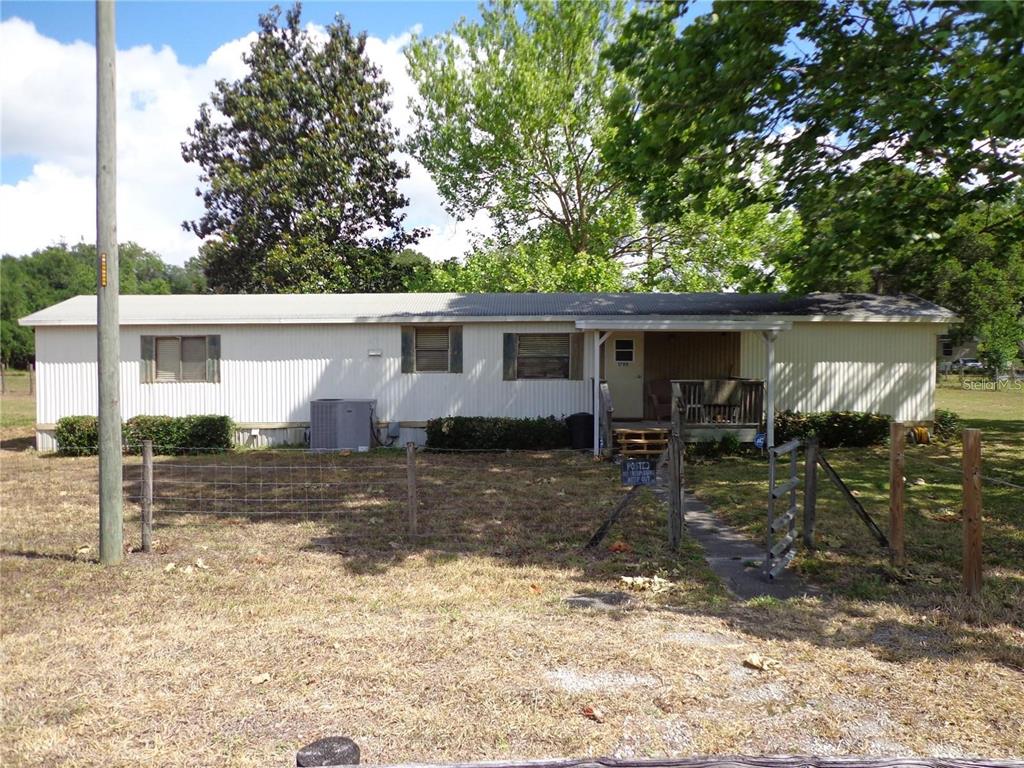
337, 424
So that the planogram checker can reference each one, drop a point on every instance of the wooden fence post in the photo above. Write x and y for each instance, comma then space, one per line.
972, 512
31, 378
147, 495
410, 463
675, 507
897, 446
810, 491
3, 379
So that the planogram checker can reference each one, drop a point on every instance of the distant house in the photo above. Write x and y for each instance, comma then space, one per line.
261, 359
948, 351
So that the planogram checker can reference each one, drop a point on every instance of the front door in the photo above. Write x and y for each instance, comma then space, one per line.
624, 372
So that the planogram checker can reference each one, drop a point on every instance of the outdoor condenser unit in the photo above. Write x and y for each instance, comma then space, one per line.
337, 424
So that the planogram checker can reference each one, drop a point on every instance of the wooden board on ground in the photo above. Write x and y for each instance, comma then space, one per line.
641, 441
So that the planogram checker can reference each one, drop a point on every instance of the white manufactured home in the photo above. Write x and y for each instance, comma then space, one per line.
262, 359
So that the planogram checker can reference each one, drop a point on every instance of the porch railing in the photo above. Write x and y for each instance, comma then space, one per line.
720, 401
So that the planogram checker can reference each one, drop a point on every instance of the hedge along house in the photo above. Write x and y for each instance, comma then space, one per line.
261, 359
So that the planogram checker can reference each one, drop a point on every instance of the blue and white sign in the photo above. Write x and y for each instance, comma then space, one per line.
760, 439
639, 471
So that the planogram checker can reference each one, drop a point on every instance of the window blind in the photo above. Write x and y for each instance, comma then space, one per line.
432, 349
168, 359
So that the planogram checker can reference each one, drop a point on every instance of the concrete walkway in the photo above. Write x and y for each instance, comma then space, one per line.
735, 558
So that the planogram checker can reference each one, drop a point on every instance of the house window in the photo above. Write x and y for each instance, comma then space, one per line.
624, 350
543, 356
947, 346
432, 349
180, 358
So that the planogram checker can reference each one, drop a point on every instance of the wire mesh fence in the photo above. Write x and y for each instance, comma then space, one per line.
495, 498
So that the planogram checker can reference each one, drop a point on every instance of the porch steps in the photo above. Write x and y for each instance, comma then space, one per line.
640, 442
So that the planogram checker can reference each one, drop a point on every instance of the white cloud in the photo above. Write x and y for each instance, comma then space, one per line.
48, 99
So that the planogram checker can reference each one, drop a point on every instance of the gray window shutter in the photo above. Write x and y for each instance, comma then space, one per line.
213, 359
455, 349
408, 349
147, 359
510, 349
576, 356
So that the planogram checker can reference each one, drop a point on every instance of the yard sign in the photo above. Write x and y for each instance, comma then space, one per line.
638, 471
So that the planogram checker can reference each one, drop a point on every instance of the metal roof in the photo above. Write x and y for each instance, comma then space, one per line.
214, 309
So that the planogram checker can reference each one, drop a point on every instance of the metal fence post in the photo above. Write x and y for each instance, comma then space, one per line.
147, 495
410, 463
972, 511
810, 491
897, 446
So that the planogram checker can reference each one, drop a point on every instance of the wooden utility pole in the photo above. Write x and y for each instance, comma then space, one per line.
972, 512
897, 446
107, 289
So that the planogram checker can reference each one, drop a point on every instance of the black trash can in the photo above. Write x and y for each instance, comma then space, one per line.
581, 430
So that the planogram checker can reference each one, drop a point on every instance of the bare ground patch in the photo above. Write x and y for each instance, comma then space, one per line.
259, 640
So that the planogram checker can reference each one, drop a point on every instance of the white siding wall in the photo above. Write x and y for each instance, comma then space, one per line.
884, 368
270, 373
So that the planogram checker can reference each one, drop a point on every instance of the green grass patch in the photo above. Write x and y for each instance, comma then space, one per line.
849, 561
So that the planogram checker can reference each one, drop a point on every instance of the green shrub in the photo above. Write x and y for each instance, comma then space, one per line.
483, 433
179, 434
948, 424
78, 435
834, 429
729, 444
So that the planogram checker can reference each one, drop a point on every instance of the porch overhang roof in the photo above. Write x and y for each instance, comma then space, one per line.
683, 324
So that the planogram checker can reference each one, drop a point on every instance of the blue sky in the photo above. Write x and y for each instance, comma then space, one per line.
169, 56
195, 29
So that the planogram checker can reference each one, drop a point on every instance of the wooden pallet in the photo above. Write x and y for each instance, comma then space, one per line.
641, 442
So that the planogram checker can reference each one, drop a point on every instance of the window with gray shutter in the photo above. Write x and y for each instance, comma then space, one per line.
181, 358
543, 356
432, 349
193, 358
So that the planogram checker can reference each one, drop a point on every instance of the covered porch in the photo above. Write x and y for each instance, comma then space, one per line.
723, 370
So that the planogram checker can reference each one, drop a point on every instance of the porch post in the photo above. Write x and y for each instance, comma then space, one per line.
597, 392
769, 386
599, 339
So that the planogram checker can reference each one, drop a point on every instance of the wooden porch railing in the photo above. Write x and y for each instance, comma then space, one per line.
720, 401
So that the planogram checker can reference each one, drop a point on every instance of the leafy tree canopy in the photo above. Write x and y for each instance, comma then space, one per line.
297, 159
534, 264
512, 109
885, 120
737, 247
56, 273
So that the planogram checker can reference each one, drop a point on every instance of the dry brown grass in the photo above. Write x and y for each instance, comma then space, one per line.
448, 650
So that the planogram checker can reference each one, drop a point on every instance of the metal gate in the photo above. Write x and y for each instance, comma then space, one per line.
782, 531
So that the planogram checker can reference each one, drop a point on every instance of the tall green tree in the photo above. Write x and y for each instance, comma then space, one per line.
535, 264
885, 120
297, 161
729, 246
58, 272
511, 111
